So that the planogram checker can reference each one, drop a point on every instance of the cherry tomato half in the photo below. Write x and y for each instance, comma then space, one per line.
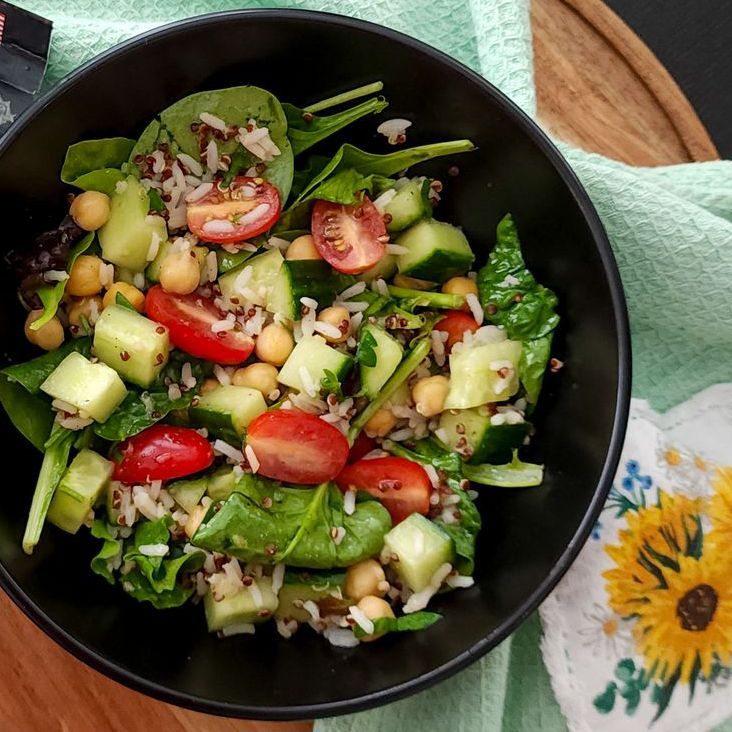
401, 485
189, 319
455, 324
362, 445
249, 206
161, 452
296, 447
350, 238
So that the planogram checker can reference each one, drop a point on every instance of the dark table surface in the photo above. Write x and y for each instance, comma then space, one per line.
693, 39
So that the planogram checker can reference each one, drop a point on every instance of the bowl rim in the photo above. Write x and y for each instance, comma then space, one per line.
139, 683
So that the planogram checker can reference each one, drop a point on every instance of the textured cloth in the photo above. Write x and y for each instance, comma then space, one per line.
671, 232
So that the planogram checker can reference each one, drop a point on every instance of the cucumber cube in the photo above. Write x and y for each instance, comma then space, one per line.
322, 588
221, 483
188, 493
421, 548
134, 346
388, 352
80, 488
129, 231
437, 251
483, 374
228, 409
314, 355
257, 286
93, 388
243, 607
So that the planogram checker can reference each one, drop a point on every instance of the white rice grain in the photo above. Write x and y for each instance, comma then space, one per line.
278, 578
238, 629
352, 291
222, 375
326, 329
199, 192
308, 384
213, 121
355, 307
340, 637
191, 163
222, 325
459, 581
174, 392
153, 550
396, 249
362, 620
224, 448
349, 502
432, 475
212, 157
55, 275
340, 535
251, 458
477, 311
152, 250
384, 199
419, 600
403, 434
379, 286
186, 375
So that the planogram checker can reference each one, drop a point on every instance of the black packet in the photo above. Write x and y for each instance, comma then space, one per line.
24, 42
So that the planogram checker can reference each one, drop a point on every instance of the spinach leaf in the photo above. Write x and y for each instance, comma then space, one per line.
304, 175
161, 573
55, 460
156, 202
236, 106
32, 417
200, 369
241, 159
51, 295
297, 526
136, 585
138, 411
306, 129
90, 164
111, 548
330, 384
413, 621
227, 260
33, 373
150, 138
121, 300
513, 298
516, 474
366, 351
524, 307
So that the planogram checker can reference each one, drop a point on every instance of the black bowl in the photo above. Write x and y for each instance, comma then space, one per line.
530, 536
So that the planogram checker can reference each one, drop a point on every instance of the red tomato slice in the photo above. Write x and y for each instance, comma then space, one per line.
350, 238
296, 447
401, 485
362, 445
161, 452
249, 206
455, 324
189, 319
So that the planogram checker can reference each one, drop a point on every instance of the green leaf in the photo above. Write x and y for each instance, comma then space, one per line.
33, 373
32, 417
405, 623
330, 384
605, 702
524, 307
90, 164
240, 160
305, 129
662, 693
366, 351
516, 474
345, 187
262, 521
532, 365
136, 585
343, 97
51, 295
120, 299
411, 299
625, 669
111, 548
156, 203
55, 460
227, 260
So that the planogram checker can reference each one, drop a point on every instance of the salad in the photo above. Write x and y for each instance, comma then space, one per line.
271, 377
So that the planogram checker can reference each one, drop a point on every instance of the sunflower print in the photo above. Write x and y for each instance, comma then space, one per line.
683, 628
720, 514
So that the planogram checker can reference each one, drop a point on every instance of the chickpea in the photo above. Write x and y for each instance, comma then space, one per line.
381, 424
134, 296
90, 210
365, 578
338, 317
460, 286
87, 307
374, 608
274, 344
259, 376
194, 520
180, 272
302, 248
412, 283
84, 276
429, 395
49, 336
209, 385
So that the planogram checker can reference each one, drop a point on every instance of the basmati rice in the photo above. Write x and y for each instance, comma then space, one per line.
224, 448
251, 458
362, 620
191, 163
153, 550
349, 502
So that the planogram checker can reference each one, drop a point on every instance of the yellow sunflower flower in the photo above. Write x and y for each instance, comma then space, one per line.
720, 513
688, 624
655, 537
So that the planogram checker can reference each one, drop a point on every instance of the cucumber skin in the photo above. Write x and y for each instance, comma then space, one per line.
410, 205
440, 266
312, 278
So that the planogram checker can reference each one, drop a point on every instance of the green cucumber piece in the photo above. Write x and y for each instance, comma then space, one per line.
134, 346
388, 353
437, 251
264, 270
227, 410
322, 588
314, 354
474, 376
411, 204
93, 388
488, 443
153, 269
421, 547
80, 488
384, 269
126, 237
221, 483
188, 493
245, 606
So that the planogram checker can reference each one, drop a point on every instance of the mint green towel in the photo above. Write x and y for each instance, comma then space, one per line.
671, 230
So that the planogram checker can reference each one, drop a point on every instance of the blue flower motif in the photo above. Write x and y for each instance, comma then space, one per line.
628, 483
646, 482
632, 467
596, 529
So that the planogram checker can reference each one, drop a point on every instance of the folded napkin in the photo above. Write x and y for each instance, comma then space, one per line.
671, 231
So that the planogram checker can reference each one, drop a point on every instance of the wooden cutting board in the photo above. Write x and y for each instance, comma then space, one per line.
599, 88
